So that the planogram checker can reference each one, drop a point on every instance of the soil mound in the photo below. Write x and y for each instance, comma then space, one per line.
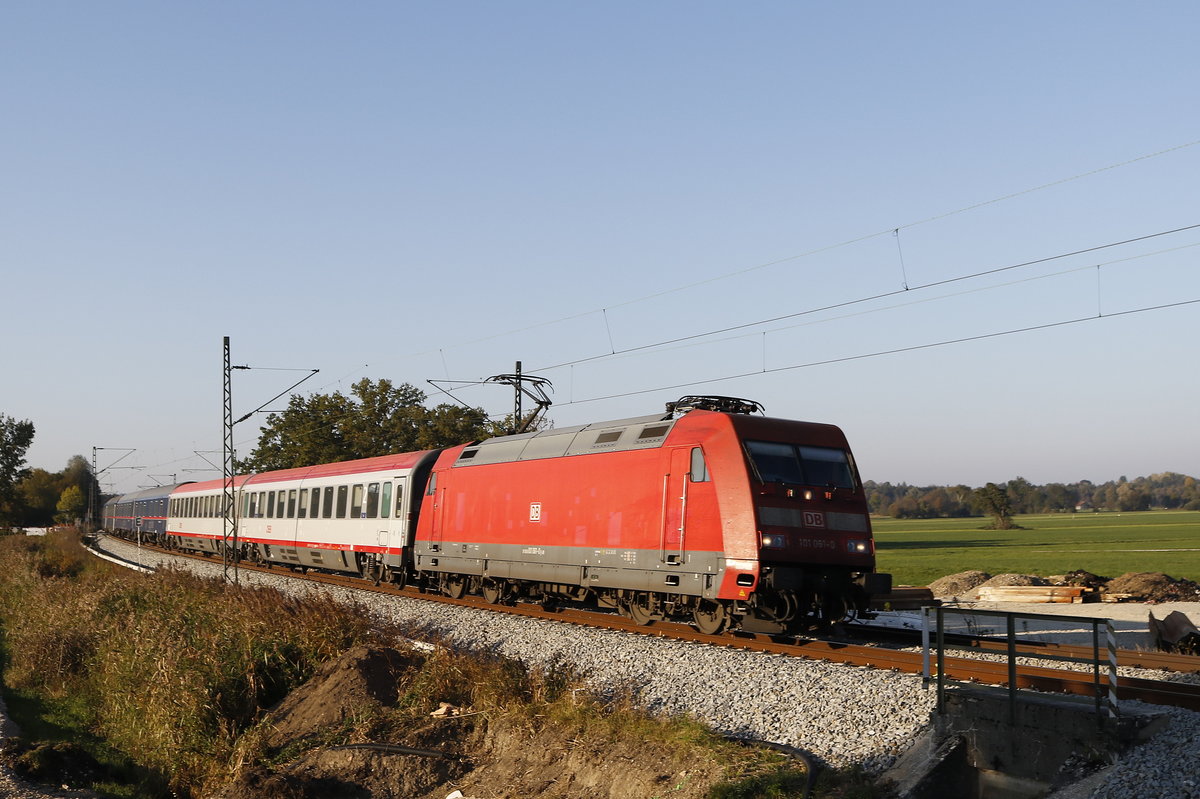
958, 586
1085, 579
360, 681
404, 753
1154, 587
1002, 580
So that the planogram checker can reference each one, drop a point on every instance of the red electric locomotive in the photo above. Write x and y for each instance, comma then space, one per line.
707, 512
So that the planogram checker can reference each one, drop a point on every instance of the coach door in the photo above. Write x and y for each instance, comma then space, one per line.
675, 501
393, 519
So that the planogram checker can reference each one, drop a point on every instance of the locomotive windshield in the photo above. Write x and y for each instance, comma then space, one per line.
801, 465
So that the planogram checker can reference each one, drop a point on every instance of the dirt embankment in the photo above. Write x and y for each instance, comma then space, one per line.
318, 743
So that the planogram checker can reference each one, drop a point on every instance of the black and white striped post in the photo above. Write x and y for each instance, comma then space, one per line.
1110, 639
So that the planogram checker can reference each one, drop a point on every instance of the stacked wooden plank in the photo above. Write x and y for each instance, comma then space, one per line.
1064, 594
904, 597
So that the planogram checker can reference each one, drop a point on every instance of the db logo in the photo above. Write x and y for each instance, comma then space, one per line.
535, 511
814, 519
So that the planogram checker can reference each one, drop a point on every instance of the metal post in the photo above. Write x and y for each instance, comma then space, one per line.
517, 414
925, 646
1012, 668
1111, 635
229, 537
941, 660
92, 496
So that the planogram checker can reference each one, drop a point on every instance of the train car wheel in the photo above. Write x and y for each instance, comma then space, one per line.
454, 586
493, 590
641, 610
711, 617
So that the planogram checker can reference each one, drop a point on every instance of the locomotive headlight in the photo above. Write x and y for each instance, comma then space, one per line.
856, 546
774, 540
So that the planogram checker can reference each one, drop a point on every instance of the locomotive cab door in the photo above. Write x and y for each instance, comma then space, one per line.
675, 500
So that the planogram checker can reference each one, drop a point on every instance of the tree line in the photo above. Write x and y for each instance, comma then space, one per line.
36, 497
1166, 490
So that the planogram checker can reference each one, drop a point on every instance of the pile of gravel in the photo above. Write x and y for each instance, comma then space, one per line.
959, 586
1003, 580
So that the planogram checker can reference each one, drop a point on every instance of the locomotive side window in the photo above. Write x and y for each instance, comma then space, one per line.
385, 501
356, 502
699, 473
431, 490
343, 493
327, 503
373, 501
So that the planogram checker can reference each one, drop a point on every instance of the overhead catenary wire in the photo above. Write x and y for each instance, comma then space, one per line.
870, 298
826, 248
895, 351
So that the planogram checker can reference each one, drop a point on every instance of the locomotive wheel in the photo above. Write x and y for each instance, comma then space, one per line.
711, 617
640, 610
454, 586
493, 590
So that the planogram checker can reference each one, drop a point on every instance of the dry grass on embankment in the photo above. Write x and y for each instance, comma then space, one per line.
166, 680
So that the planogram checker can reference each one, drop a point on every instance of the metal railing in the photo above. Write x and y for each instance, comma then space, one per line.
1104, 658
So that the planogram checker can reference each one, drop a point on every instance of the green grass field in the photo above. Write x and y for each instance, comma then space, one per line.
918, 551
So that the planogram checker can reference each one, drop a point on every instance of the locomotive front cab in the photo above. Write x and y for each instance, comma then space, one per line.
816, 551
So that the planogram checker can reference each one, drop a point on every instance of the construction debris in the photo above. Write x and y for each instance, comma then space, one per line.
1175, 633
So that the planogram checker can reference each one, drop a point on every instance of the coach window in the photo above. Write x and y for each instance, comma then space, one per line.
699, 467
315, 509
342, 493
327, 503
373, 501
303, 512
270, 504
262, 505
399, 500
356, 502
385, 501
246, 497
292, 504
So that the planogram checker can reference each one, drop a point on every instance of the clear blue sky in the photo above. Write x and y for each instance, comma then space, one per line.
436, 190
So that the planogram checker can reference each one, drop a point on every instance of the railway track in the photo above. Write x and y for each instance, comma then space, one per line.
959, 669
